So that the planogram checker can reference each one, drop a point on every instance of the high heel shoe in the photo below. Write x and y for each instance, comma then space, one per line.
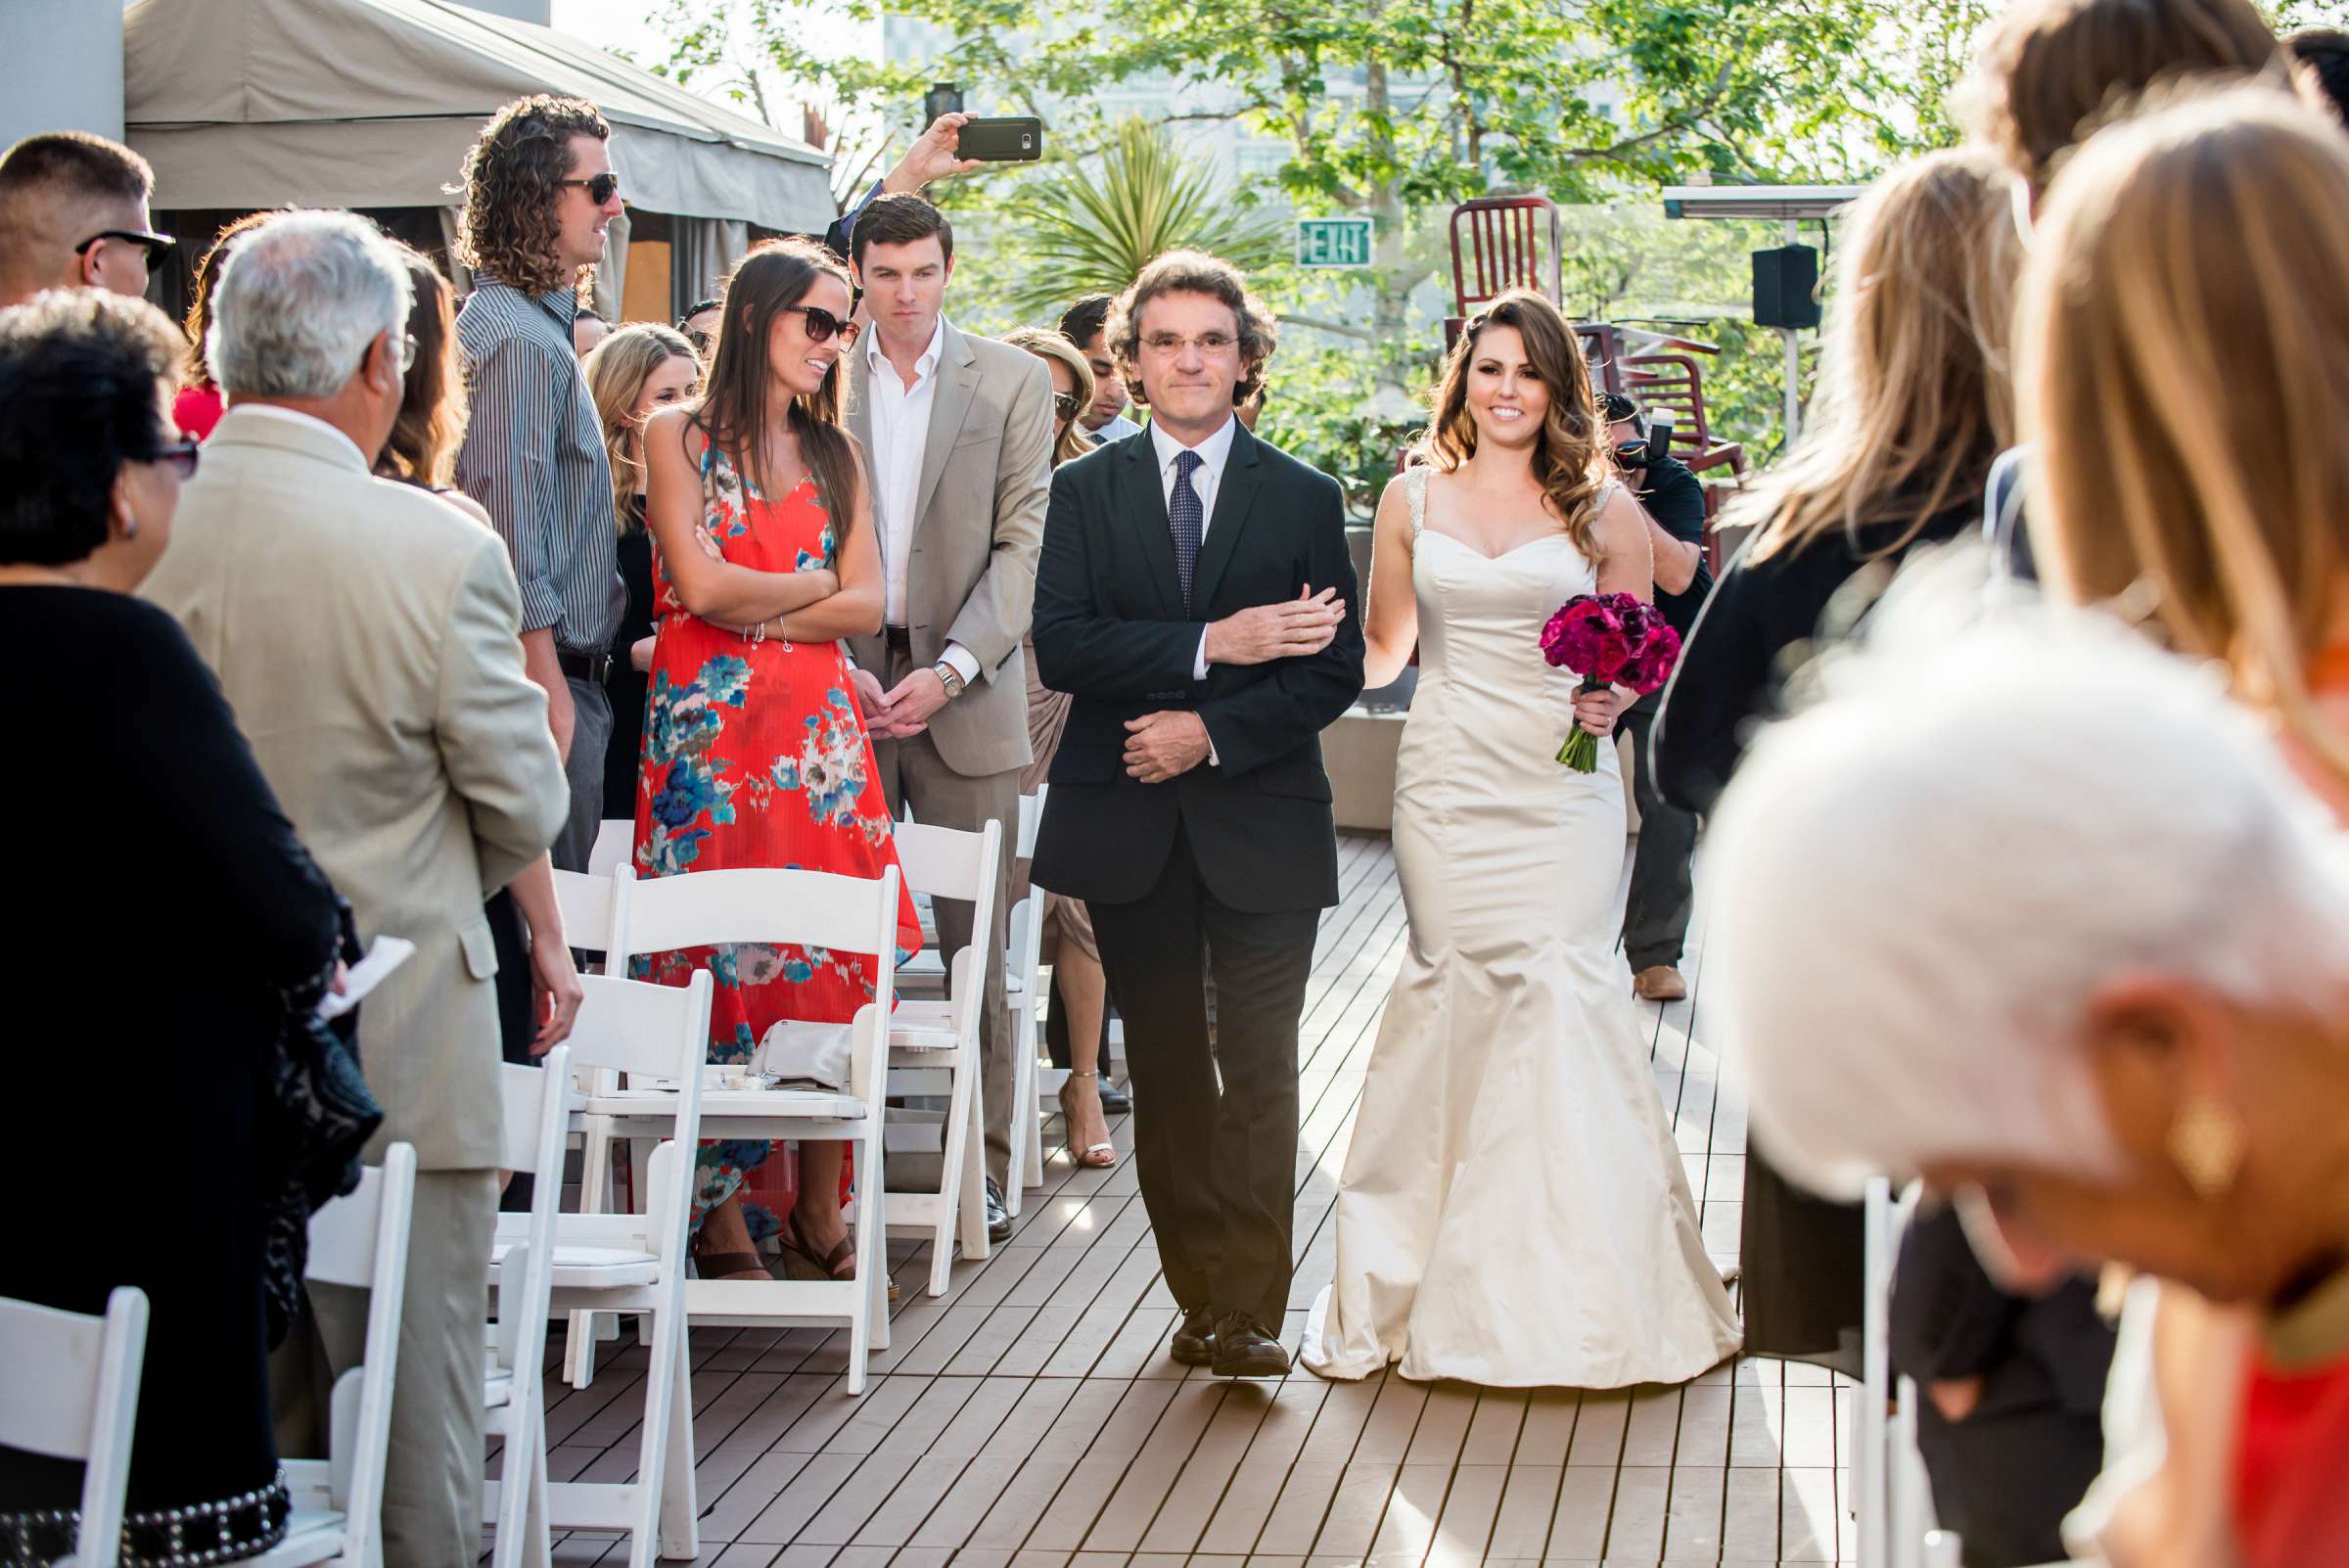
1093, 1156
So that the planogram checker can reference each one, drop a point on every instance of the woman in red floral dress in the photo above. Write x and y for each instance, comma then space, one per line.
754, 751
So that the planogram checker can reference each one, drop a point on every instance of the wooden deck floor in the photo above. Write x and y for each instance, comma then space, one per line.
1029, 1417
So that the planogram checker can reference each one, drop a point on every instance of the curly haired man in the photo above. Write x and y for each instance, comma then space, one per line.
540, 195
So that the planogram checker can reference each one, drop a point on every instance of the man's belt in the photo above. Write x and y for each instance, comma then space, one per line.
898, 638
592, 667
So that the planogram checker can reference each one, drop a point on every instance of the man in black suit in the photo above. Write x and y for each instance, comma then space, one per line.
1196, 597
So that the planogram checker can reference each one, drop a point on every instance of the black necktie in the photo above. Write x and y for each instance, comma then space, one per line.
1185, 517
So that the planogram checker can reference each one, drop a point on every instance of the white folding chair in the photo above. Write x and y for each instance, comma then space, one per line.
70, 1389
361, 1241
935, 1046
629, 1037
1022, 950
536, 1102
586, 904
1895, 1504
773, 908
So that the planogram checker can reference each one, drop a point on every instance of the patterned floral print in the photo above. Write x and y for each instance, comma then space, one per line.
754, 754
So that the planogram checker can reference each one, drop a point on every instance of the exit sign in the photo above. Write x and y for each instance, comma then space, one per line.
1339, 242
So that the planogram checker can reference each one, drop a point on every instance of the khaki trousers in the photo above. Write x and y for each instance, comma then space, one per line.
911, 771
432, 1481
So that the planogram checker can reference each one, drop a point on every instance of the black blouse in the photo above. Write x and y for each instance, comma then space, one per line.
174, 905
627, 685
1759, 626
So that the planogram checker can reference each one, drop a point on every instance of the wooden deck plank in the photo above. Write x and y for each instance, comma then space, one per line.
1030, 1416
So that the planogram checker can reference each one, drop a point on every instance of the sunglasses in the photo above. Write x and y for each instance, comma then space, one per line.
600, 188
823, 324
181, 455
1066, 404
157, 246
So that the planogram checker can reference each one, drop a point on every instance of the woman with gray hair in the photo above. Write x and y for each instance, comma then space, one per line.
2034, 912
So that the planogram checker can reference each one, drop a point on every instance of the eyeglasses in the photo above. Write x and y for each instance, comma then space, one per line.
823, 324
157, 246
1206, 342
700, 341
406, 350
181, 455
600, 188
1065, 405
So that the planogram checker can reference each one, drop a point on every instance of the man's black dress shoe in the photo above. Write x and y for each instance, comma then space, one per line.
1115, 1102
1244, 1350
1194, 1342
999, 1219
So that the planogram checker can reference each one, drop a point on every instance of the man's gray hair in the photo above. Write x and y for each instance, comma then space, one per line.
1915, 888
299, 300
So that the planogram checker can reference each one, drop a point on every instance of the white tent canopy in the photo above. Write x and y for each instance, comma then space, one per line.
243, 104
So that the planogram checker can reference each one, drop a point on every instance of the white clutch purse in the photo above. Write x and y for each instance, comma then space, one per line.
796, 1054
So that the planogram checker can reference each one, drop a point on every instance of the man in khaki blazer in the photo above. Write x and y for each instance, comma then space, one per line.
366, 634
957, 434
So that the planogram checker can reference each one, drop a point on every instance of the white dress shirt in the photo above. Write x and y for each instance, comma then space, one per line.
1115, 428
900, 434
1213, 453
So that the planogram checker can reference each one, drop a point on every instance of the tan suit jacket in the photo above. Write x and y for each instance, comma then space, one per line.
979, 522
366, 633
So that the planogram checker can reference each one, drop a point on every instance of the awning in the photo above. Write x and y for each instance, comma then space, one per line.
245, 104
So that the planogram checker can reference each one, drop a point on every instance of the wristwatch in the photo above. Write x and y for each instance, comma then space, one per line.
951, 677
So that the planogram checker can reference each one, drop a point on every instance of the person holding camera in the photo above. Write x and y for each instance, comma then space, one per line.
1655, 919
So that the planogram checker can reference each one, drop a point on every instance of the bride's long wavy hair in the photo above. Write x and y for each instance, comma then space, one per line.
1569, 458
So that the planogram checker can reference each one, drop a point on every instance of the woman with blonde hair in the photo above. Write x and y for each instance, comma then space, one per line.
1513, 1210
1078, 982
1912, 407
632, 375
2183, 413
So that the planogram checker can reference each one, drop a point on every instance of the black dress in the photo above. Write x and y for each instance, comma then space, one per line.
1803, 1258
175, 908
627, 684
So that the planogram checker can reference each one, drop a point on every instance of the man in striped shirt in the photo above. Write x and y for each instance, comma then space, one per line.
539, 194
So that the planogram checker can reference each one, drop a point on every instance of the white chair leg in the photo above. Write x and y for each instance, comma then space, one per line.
971, 1212
581, 1330
523, 1467
679, 1529
667, 1369
1031, 1107
541, 1539
871, 1200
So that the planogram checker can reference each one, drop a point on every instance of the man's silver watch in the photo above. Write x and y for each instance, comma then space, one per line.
951, 677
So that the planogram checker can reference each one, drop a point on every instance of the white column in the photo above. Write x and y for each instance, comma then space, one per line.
61, 68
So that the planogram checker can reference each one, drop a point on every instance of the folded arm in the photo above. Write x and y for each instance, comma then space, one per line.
1079, 648
855, 609
1269, 718
716, 590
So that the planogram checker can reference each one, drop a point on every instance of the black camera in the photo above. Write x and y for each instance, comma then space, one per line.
1654, 444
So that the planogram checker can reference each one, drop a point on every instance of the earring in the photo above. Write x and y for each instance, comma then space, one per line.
2206, 1144
130, 529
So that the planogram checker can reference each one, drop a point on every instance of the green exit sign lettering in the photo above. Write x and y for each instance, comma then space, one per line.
1339, 242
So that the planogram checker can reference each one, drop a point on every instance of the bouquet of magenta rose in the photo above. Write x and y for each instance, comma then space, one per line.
1610, 639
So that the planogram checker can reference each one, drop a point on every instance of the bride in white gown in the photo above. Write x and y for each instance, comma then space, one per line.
1513, 1210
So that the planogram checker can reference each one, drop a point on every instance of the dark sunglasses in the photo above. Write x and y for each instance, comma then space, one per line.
181, 455
157, 246
600, 188
700, 341
1066, 404
823, 324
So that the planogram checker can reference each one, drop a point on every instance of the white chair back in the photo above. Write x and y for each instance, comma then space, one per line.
817, 909
535, 1100
586, 904
1032, 817
70, 1389
361, 1240
643, 1031
949, 863
615, 845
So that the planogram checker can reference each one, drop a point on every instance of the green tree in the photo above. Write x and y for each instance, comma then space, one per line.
1087, 227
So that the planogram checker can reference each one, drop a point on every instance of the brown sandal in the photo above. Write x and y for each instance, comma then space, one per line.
839, 1264
729, 1265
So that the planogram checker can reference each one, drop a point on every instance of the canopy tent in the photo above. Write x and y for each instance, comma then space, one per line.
245, 104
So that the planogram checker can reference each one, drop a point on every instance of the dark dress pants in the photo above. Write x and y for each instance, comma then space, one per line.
1215, 1127
1655, 918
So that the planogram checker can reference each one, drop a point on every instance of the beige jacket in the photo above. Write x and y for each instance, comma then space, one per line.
366, 635
979, 520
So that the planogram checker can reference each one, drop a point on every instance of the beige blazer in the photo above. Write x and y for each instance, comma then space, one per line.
366, 633
979, 522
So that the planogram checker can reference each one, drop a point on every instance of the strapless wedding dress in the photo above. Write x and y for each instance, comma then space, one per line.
1513, 1210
